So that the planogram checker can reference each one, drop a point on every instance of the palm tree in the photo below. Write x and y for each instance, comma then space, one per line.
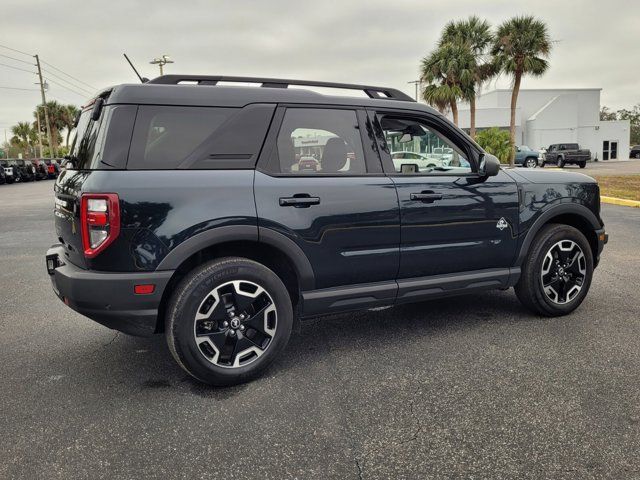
448, 72
475, 35
520, 47
69, 119
22, 134
56, 113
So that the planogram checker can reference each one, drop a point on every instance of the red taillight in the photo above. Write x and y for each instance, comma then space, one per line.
99, 221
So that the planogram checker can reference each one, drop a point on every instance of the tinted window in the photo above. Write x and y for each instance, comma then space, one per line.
86, 149
418, 148
320, 141
165, 136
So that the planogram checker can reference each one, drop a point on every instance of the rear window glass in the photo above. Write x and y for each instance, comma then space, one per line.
165, 136
102, 143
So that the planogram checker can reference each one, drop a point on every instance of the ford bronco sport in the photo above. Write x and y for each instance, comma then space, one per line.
183, 209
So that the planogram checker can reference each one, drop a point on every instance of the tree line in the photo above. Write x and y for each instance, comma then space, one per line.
25, 137
632, 115
470, 53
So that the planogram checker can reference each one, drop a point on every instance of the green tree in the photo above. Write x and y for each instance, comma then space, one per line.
56, 113
449, 74
520, 48
633, 116
496, 142
22, 136
475, 35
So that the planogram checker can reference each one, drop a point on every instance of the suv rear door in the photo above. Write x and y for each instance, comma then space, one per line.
452, 220
343, 215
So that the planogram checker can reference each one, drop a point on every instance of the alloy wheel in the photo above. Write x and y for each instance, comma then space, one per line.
564, 270
235, 324
531, 163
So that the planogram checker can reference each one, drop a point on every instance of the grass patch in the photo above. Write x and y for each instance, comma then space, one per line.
620, 186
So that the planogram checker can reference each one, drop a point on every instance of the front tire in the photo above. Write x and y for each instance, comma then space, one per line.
561, 162
557, 273
582, 164
531, 162
228, 320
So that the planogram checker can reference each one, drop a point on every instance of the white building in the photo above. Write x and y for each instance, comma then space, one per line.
547, 116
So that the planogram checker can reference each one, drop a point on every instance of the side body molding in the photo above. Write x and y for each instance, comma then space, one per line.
544, 217
252, 233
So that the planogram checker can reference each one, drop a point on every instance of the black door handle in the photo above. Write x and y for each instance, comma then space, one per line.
426, 197
299, 201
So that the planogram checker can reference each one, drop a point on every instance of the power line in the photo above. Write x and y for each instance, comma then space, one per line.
47, 73
83, 95
17, 51
16, 88
16, 68
70, 76
16, 59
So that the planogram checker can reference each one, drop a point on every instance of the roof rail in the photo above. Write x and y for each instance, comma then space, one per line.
383, 93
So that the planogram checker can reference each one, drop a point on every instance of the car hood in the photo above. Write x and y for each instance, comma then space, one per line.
539, 175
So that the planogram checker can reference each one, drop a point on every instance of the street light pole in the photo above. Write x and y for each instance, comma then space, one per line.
161, 62
44, 104
417, 83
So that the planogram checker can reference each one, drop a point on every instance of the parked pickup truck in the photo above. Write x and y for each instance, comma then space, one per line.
566, 153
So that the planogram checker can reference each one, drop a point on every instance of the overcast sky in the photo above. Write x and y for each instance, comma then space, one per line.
597, 43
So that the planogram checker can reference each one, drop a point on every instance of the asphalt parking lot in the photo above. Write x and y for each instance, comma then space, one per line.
474, 387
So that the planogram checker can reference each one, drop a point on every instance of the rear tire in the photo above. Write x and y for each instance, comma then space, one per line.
560, 162
582, 164
228, 320
557, 273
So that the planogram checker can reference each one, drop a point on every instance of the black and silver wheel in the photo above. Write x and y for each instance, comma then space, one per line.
227, 320
637, 155
531, 162
560, 162
557, 272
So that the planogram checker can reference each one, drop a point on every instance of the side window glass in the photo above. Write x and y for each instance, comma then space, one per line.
320, 141
416, 148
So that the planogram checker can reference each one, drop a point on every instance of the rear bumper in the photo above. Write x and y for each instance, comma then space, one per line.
108, 298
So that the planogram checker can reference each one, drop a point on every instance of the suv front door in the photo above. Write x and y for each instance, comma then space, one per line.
320, 183
453, 221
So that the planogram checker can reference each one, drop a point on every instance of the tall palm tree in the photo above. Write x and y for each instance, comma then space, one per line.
475, 34
56, 113
69, 119
448, 72
520, 48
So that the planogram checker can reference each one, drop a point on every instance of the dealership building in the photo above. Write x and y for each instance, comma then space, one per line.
548, 116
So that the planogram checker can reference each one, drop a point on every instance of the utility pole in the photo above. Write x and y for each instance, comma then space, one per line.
39, 131
417, 83
44, 104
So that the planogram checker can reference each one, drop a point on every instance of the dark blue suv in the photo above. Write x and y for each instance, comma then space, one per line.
218, 214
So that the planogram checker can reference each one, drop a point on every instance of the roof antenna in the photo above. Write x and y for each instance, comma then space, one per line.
142, 79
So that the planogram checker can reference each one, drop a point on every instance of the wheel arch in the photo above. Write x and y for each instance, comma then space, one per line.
272, 249
574, 215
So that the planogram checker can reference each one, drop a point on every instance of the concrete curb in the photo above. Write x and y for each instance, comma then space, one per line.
620, 201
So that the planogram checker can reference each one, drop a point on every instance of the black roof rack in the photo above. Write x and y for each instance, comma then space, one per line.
372, 92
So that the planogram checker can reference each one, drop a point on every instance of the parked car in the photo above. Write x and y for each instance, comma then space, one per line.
635, 152
23, 170
565, 154
53, 167
7, 171
308, 164
3, 179
192, 222
422, 160
525, 157
41, 170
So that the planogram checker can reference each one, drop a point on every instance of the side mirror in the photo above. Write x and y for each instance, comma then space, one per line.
489, 165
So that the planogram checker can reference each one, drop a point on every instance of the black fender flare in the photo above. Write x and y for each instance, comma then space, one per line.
252, 233
544, 217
